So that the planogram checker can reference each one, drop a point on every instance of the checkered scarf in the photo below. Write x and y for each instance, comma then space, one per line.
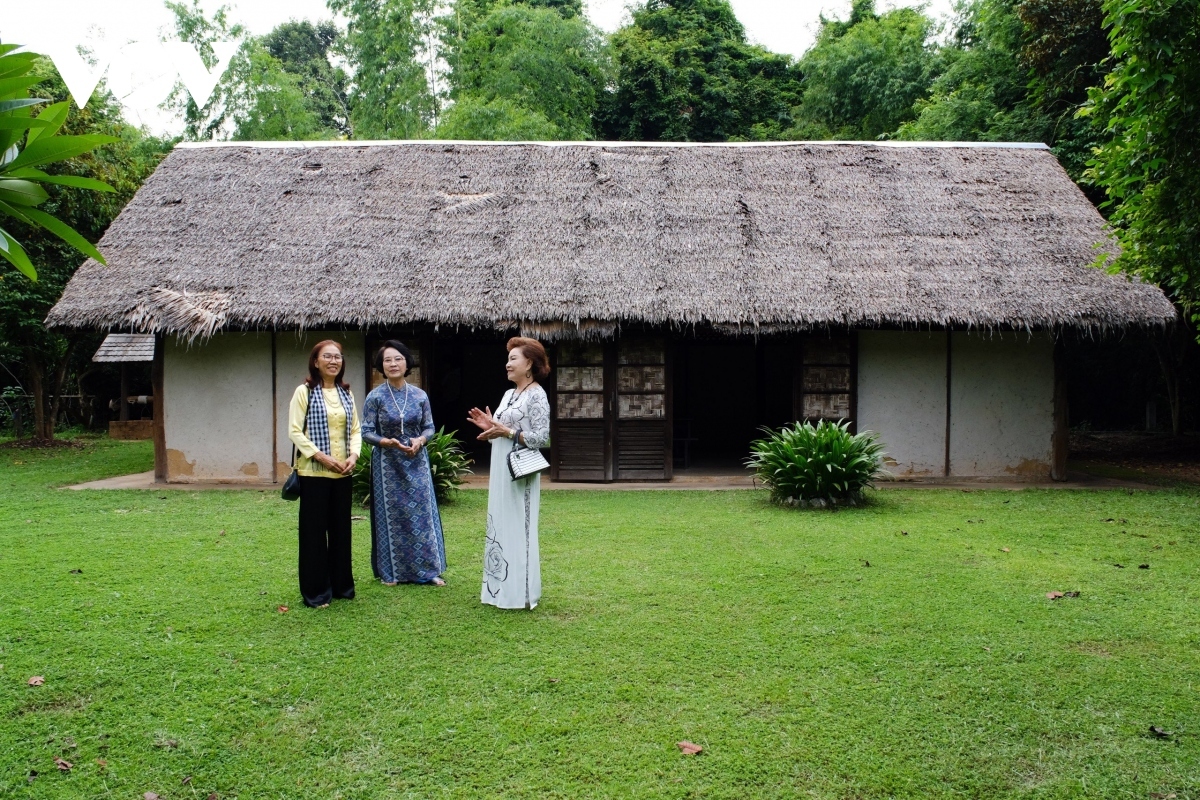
317, 421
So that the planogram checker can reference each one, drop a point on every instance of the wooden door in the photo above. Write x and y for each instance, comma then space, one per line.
643, 411
580, 446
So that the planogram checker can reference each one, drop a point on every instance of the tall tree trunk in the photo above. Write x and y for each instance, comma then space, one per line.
1172, 349
37, 388
60, 381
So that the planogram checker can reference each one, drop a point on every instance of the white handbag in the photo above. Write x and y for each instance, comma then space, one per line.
526, 461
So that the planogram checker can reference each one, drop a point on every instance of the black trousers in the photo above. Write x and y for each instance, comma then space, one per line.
325, 570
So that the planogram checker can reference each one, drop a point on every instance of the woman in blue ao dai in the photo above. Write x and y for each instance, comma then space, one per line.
406, 528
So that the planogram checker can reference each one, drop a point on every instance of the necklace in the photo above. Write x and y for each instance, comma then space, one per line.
397, 405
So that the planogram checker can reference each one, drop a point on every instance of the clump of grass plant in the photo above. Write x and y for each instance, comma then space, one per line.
447, 462
817, 465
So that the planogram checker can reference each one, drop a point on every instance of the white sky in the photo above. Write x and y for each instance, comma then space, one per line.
125, 34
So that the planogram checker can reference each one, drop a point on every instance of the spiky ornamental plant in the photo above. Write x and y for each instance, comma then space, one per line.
822, 464
448, 464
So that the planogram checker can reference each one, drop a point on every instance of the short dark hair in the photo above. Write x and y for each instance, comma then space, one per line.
533, 350
313, 381
394, 345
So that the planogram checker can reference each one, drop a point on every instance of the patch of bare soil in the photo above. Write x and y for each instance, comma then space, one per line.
1159, 455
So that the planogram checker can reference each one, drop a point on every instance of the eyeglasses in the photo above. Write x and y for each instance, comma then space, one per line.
399, 360
330, 358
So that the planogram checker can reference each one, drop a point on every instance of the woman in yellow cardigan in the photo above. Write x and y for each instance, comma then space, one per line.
323, 424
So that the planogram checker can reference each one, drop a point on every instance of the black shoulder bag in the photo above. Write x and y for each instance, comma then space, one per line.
291, 487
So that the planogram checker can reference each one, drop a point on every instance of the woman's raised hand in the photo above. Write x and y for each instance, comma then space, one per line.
482, 419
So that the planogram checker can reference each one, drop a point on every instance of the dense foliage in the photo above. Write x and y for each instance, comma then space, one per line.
863, 77
521, 71
685, 72
806, 464
1149, 165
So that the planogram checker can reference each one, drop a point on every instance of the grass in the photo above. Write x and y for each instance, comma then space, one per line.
760, 633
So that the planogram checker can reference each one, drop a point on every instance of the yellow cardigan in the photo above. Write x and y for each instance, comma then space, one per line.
298, 412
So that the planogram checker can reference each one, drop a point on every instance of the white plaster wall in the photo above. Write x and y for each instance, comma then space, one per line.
902, 397
217, 408
291, 367
1001, 405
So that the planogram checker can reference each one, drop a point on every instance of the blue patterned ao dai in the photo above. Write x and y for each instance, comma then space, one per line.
406, 528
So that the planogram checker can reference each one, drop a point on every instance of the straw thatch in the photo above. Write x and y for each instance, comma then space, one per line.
578, 239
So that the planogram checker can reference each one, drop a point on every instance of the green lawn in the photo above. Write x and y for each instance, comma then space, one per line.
939, 670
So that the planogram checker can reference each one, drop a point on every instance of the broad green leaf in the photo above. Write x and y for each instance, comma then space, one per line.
21, 192
54, 117
16, 64
61, 180
12, 251
65, 232
25, 102
21, 123
57, 148
15, 87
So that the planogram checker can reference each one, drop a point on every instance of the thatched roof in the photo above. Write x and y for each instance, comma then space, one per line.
558, 238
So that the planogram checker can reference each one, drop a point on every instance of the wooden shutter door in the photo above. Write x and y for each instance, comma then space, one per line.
579, 448
643, 424
825, 380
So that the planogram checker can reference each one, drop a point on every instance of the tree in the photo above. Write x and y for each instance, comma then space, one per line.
685, 72
22, 180
44, 357
391, 45
521, 71
279, 86
1017, 70
303, 50
215, 118
1149, 168
862, 77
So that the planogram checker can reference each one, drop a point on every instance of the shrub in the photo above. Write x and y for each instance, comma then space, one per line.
818, 465
447, 463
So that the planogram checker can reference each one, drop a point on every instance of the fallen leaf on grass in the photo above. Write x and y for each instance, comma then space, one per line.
866, 563
356, 517
187, 780
212, 796
222, 533
1159, 733
1005, 550
1119, 566
1161, 796
282, 609
32, 774
76, 572
1070, 594
36, 680
689, 748
150, 796
904, 533
101, 762
1143, 566
1053, 595
63, 764
554, 680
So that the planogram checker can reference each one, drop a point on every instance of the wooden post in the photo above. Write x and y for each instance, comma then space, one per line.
949, 364
160, 417
1060, 438
124, 398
